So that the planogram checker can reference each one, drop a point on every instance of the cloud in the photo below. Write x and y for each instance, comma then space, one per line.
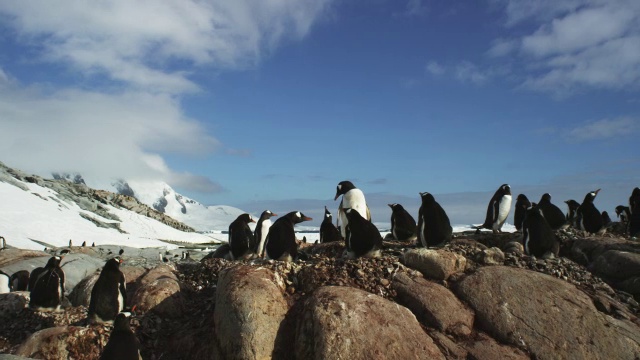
467, 71
152, 45
434, 68
415, 8
604, 129
238, 152
501, 47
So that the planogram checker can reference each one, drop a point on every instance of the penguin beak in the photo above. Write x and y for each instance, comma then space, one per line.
274, 214
337, 196
306, 218
597, 191
390, 205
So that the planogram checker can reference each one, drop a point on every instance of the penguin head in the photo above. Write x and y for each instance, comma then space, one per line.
121, 322
572, 204
267, 214
394, 207
342, 188
591, 196
505, 189
546, 198
113, 263
427, 198
619, 209
54, 262
352, 214
523, 201
247, 218
300, 217
327, 214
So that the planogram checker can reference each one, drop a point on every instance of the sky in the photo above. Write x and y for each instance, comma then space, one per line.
255, 102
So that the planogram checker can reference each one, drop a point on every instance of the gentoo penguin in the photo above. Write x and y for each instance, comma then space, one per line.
589, 217
109, 294
606, 219
5, 283
260, 234
4, 243
498, 209
123, 343
572, 215
241, 237
434, 227
20, 280
93, 244
70, 243
352, 198
47, 291
634, 210
84, 243
554, 216
121, 252
281, 240
537, 236
522, 204
403, 225
623, 213
328, 231
363, 238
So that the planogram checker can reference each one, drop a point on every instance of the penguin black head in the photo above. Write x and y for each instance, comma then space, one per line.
352, 214
427, 197
114, 263
523, 201
505, 189
395, 207
54, 262
247, 218
546, 197
620, 209
267, 214
121, 252
121, 323
343, 187
591, 196
297, 217
572, 204
327, 214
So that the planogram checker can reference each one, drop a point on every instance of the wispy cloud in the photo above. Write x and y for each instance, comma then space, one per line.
415, 8
604, 129
434, 68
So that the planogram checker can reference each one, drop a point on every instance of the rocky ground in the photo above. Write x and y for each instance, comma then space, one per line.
478, 297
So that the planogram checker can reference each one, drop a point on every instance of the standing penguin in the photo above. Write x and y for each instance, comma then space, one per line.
20, 281
537, 236
554, 216
522, 204
48, 285
260, 234
634, 210
123, 343
572, 215
623, 213
5, 283
328, 232
606, 219
498, 209
403, 225
363, 238
434, 227
352, 198
109, 294
589, 217
241, 237
281, 240
4, 243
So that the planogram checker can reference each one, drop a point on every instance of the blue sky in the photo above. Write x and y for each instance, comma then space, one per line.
249, 102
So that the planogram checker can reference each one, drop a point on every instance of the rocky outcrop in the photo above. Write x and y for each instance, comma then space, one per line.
11, 256
616, 264
435, 264
64, 342
250, 308
341, 322
545, 316
12, 303
159, 290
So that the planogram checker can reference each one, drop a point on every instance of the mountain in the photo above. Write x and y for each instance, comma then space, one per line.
36, 212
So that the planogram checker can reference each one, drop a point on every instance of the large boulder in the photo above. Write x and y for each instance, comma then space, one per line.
586, 250
250, 308
65, 342
433, 304
81, 293
11, 256
617, 264
546, 316
435, 264
159, 290
484, 347
13, 302
341, 322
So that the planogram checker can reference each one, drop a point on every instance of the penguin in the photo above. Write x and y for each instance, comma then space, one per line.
4, 242
261, 231
363, 238
522, 204
121, 252
123, 343
554, 216
498, 209
434, 227
589, 217
241, 237
328, 231
84, 243
70, 243
623, 213
537, 236
352, 198
572, 214
47, 291
20, 281
606, 220
93, 244
634, 210
5, 283
281, 240
403, 225
109, 293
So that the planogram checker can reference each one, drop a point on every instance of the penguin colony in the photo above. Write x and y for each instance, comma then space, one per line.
277, 241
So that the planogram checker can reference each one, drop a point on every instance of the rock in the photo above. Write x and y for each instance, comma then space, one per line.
340, 322
13, 302
11, 256
632, 286
584, 251
81, 293
250, 308
484, 347
159, 291
64, 342
12, 357
435, 264
617, 264
546, 316
433, 304
514, 247
448, 347
133, 275
491, 256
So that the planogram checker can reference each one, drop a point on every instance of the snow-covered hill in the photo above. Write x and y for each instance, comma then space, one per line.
37, 212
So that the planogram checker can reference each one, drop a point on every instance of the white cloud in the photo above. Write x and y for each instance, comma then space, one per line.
468, 72
415, 8
604, 129
434, 68
502, 47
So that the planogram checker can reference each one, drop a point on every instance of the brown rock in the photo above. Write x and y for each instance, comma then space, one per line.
584, 251
10, 256
448, 347
435, 264
250, 308
64, 342
341, 322
434, 305
617, 264
546, 316
632, 286
491, 256
159, 291
484, 347
81, 293
13, 302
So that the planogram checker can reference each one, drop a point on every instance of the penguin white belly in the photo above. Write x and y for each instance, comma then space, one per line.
503, 212
4, 284
423, 241
120, 301
353, 199
266, 224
